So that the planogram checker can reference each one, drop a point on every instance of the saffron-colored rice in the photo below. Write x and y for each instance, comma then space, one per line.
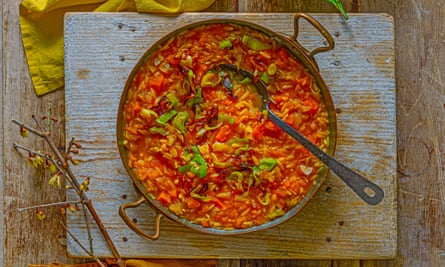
218, 161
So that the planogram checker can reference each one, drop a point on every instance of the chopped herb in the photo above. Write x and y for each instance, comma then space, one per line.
210, 79
196, 99
224, 117
148, 113
164, 118
272, 69
188, 62
246, 80
197, 165
267, 164
211, 128
201, 132
275, 213
179, 121
158, 130
265, 77
173, 100
241, 149
266, 199
220, 164
254, 176
225, 44
238, 140
254, 43
202, 198
236, 175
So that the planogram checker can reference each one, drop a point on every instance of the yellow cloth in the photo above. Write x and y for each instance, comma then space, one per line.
41, 23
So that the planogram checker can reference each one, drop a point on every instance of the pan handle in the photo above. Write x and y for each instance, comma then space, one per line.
317, 25
133, 226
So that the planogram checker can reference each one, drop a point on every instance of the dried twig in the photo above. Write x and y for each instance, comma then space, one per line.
81, 246
63, 203
61, 161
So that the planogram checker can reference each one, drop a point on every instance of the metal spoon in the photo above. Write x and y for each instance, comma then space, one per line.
367, 190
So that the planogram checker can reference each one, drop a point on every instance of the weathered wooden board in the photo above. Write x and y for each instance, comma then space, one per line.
101, 49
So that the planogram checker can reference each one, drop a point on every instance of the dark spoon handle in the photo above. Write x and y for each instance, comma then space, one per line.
367, 190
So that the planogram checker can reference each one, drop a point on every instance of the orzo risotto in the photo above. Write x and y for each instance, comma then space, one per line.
198, 140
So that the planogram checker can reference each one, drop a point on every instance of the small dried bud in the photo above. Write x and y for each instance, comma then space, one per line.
77, 145
75, 151
54, 119
40, 214
62, 210
71, 208
75, 162
24, 132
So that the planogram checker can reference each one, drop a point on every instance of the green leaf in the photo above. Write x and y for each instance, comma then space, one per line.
339, 6
197, 165
158, 130
254, 43
179, 121
267, 164
225, 44
196, 99
164, 118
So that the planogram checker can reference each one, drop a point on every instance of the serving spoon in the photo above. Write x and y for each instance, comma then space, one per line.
365, 189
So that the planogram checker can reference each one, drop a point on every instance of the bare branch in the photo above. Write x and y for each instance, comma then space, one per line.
62, 164
32, 130
56, 163
32, 151
81, 246
63, 203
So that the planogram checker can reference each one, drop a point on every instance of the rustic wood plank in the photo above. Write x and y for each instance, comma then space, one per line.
2, 133
285, 263
414, 21
366, 139
421, 134
380, 263
229, 263
223, 6
27, 240
346, 263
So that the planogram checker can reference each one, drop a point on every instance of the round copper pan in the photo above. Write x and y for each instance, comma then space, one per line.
298, 51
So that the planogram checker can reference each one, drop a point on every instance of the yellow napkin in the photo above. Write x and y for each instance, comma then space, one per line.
41, 23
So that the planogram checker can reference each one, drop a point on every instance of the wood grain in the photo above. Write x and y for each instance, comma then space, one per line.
418, 34
360, 73
2, 133
421, 119
26, 240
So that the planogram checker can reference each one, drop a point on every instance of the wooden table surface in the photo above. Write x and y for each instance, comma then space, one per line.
419, 46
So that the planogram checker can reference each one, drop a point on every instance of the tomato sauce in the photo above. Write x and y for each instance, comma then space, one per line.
198, 140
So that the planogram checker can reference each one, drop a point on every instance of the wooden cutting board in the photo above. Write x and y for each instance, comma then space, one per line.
102, 48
